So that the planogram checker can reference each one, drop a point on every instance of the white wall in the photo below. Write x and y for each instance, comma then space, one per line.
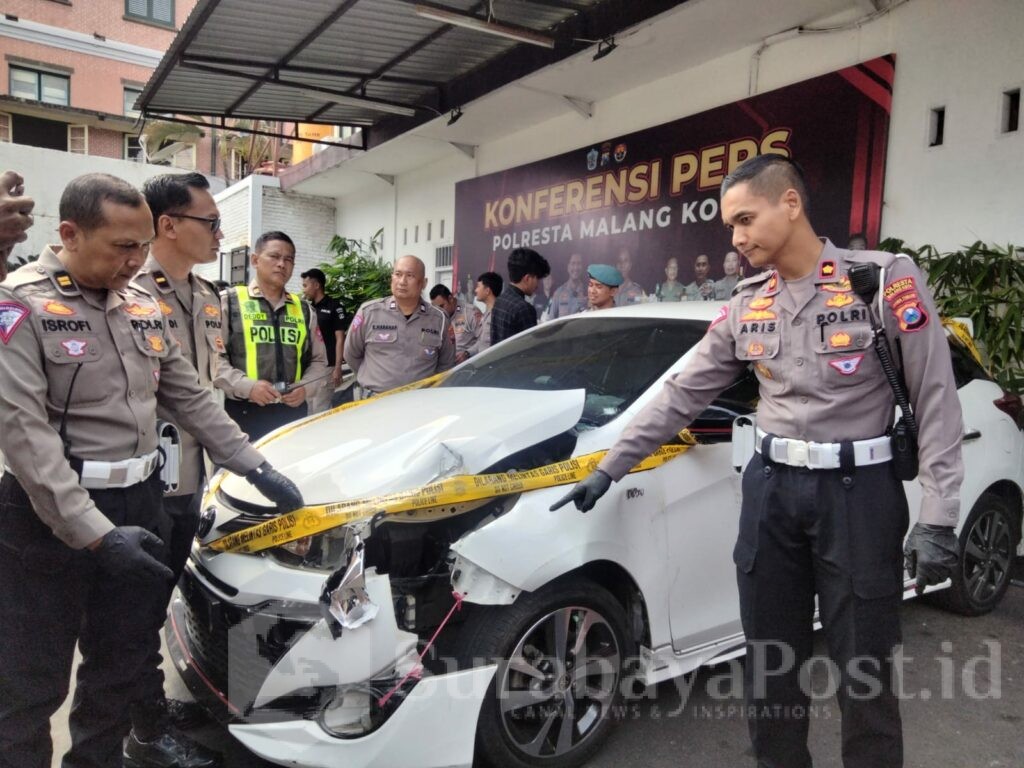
256, 205
955, 53
48, 171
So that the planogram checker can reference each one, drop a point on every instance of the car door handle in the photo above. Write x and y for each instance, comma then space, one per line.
974, 434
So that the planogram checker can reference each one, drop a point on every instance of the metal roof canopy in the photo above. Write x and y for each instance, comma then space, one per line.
295, 60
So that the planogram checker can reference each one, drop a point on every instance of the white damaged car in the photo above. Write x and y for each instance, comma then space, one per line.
534, 623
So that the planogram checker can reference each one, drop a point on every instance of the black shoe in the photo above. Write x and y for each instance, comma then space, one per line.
185, 715
168, 750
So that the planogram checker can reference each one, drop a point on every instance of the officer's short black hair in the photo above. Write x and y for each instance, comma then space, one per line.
493, 281
83, 198
172, 192
523, 262
268, 237
315, 274
769, 176
440, 290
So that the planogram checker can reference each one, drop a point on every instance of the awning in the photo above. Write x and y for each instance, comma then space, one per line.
385, 66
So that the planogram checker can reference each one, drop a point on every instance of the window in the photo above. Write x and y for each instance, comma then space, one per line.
78, 139
239, 166
132, 148
238, 259
1011, 110
441, 233
40, 86
937, 127
155, 11
5, 128
130, 95
185, 158
443, 256
416, 233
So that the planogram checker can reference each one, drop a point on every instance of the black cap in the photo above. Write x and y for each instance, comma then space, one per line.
316, 274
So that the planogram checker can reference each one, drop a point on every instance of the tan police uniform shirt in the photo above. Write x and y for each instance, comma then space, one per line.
233, 379
130, 365
467, 323
387, 350
191, 310
819, 375
483, 340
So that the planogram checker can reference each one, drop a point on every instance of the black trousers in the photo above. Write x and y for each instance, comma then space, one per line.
147, 712
52, 596
258, 420
836, 535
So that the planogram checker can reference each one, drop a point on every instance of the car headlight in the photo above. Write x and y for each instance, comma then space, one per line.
355, 710
324, 551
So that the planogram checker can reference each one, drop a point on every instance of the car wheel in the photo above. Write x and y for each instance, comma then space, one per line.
560, 653
988, 542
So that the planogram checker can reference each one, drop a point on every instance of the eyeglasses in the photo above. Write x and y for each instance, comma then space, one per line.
214, 223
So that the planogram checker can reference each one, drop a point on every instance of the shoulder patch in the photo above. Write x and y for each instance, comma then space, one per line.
760, 277
12, 313
722, 314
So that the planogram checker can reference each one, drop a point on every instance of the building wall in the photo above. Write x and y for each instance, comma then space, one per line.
306, 219
949, 53
256, 205
103, 143
46, 174
97, 81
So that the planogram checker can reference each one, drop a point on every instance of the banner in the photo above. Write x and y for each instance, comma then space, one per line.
647, 202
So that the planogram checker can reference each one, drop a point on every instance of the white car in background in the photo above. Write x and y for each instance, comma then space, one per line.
559, 607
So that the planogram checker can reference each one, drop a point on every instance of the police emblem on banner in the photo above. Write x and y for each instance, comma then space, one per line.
592, 156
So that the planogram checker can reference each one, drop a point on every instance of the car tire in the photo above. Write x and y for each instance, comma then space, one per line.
988, 541
537, 644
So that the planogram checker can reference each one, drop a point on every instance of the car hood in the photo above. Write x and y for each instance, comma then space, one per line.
410, 439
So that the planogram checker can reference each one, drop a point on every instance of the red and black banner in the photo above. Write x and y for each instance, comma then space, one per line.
654, 194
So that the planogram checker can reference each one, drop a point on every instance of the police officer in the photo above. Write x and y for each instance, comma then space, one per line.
330, 319
272, 347
603, 286
399, 339
467, 322
703, 287
629, 292
187, 225
86, 360
826, 516
571, 296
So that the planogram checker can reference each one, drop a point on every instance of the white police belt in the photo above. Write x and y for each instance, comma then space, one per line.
803, 453
118, 474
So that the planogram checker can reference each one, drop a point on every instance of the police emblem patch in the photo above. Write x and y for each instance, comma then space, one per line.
762, 302
156, 343
11, 315
74, 347
828, 269
211, 311
912, 317
755, 348
839, 300
57, 308
839, 340
165, 307
722, 314
847, 366
763, 314
137, 310
218, 342
840, 286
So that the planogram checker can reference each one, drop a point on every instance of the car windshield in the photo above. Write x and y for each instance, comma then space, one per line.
614, 359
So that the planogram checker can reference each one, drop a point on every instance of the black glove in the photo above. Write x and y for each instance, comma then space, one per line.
276, 487
931, 553
131, 552
586, 492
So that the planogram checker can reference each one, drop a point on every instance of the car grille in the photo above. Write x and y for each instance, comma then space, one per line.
235, 647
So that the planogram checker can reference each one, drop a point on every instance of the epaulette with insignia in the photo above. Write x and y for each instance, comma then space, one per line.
162, 283
65, 284
760, 277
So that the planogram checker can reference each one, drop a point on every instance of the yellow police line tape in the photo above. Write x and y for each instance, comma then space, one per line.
444, 495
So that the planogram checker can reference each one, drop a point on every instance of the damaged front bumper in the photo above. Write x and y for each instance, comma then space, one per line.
294, 690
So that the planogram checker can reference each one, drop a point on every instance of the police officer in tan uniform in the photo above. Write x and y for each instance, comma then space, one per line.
188, 233
571, 296
85, 360
467, 321
399, 339
823, 511
273, 355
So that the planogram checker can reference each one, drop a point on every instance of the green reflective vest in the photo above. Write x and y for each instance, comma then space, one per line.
272, 344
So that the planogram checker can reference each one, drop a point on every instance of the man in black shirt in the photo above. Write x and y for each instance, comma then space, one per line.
330, 318
512, 313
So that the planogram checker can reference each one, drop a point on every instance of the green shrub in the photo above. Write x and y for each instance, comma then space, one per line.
985, 283
358, 272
